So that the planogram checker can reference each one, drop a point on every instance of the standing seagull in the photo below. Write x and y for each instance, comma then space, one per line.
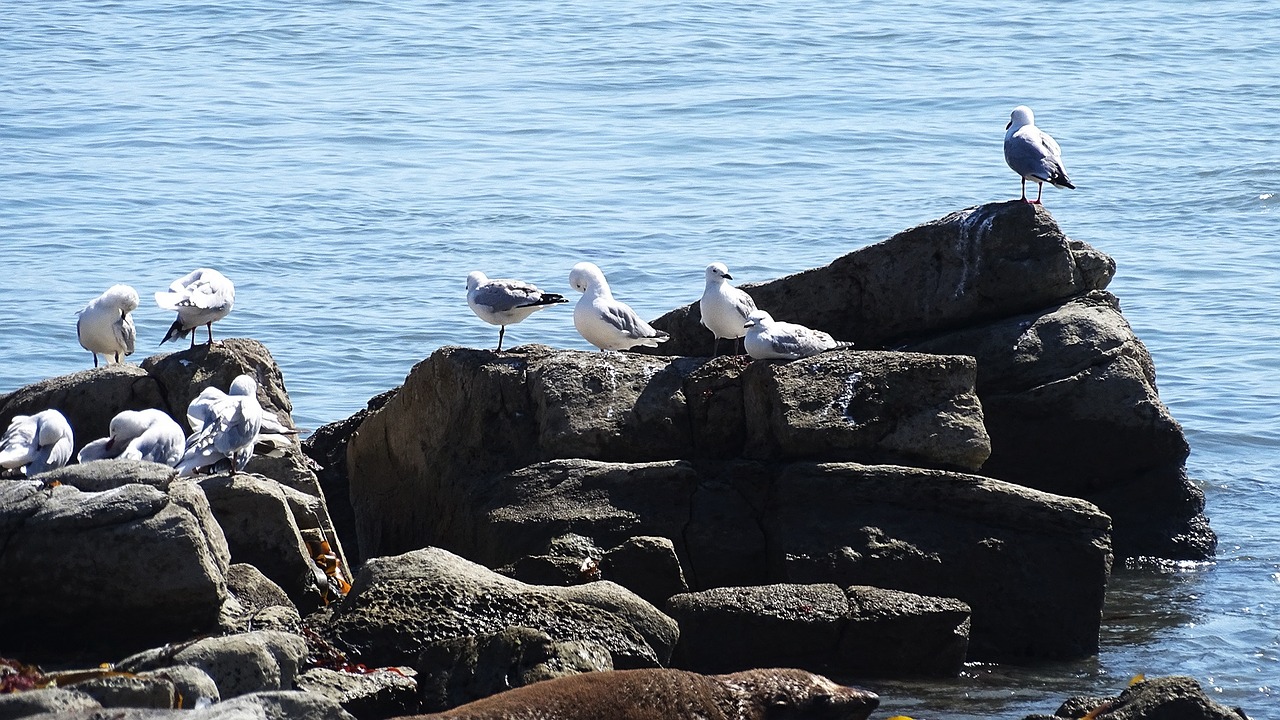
149, 435
224, 427
104, 325
603, 321
201, 297
505, 302
768, 339
724, 307
36, 443
1033, 154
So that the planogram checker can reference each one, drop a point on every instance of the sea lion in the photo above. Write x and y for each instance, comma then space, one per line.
658, 694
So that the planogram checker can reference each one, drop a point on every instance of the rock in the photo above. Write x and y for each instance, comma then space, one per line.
647, 566
897, 634
186, 373
239, 664
381, 693
102, 475
276, 705
327, 446
568, 560
978, 264
263, 605
398, 605
1056, 382
1155, 699
659, 694
108, 571
261, 529
783, 625
192, 686
424, 467
129, 692
948, 535
49, 700
461, 670
870, 407
88, 399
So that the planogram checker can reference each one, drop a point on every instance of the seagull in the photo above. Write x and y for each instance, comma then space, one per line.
769, 339
724, 307
603, 321
224, 427
36, 443
105, 326
506, 302
201, 297
1033, 154
149, 435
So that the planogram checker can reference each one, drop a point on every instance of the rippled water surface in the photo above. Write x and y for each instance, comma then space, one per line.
347, 163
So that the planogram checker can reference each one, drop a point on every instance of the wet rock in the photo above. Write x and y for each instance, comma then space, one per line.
1075, 376
48, 700
897, 634
569, 559
400, 604
461, 670
783, 625
192, 686
946, 535
109, 571
1155, 699
381, 693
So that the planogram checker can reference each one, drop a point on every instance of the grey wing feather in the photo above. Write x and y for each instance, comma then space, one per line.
622, 317
744, 304
504, 295
126, 335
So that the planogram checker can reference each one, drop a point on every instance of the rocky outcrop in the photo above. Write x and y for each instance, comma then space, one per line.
239, 664
1155, 699
129, 566
399, 605
1068, 393
858, 631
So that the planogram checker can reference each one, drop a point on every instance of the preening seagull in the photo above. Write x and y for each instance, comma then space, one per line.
36, 443
1033, 154
105, 326
224, 427
201, 297
603, 321
149, 435
724, 307
506, 302
770, 339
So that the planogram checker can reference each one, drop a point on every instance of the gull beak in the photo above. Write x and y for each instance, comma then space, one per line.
1008, 125
727, 276
750, 324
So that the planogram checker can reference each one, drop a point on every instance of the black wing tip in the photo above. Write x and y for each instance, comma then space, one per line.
175, 332
551, 299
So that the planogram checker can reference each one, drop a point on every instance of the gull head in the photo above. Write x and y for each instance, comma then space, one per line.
125, 426
759, 317
243, 385
1021, 117
475, 279
585, 276
123, 297
718, 272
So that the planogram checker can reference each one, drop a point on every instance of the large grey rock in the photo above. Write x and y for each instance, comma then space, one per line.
31, 703
978, 264
423, 468
192, 686
897, 634
398, 605
647, 566
119, 569
186, 373
101, 475
737, 628
117, 691
381, 693
276, 705
1032, 566
460, 670
1073, 383
262, 530
1164, 698
239, 664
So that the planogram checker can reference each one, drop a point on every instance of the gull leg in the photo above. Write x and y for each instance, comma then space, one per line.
1024, 191
95, 359
208, 326
1039, 189
716, 352
193, 340
502, 330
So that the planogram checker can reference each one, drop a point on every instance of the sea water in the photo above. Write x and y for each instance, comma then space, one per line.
347, 163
